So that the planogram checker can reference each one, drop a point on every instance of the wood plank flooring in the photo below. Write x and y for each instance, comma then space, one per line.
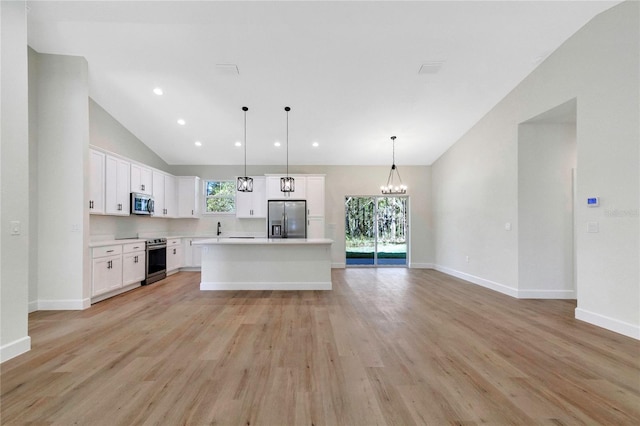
385, 347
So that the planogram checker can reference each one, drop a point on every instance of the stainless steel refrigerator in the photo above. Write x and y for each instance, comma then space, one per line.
287, 219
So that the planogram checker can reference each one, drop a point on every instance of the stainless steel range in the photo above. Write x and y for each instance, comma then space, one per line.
156, 260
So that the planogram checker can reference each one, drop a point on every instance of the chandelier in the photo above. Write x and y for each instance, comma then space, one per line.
287, 184
245, 183
394, 186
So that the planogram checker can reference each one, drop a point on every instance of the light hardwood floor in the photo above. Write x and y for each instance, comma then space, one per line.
386, 346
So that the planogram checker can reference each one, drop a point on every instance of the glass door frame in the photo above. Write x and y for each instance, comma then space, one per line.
376, 236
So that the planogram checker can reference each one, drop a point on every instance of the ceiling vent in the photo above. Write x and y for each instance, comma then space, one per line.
430, 67
227, 69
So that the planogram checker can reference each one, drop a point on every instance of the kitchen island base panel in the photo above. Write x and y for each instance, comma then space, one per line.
266, 267
264, 286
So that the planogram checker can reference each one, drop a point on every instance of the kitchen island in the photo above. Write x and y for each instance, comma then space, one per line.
265, 264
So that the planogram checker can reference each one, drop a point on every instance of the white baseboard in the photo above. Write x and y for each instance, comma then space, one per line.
546, 294
32, 306
501, 288
338, 265
63, 305
421, 265
190, 269
265, 286
15, 348
612, 324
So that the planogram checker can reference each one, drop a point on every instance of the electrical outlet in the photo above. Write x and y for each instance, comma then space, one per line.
466, 258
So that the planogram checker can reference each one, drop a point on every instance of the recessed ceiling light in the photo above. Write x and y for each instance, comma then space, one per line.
181, 121
198, 143
276, 144
315, 144
226, 69
158, 91
238, 143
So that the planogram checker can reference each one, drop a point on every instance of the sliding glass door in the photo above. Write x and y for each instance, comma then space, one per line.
376, 230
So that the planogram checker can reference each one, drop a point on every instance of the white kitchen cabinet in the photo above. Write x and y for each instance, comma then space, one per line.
174, 254
315, 227
189, 200
253, 205
141, 179
274, 193
133, 263
106, 271
315, 196
164, 195
96, 181
117, 177
192, 253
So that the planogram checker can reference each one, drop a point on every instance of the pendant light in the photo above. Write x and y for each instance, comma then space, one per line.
392, 186
287, 184
245, 183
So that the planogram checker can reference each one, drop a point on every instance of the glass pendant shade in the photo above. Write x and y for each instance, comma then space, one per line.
394, 182
245, 183
287, 184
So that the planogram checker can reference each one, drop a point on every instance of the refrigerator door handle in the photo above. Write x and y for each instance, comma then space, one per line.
285, 230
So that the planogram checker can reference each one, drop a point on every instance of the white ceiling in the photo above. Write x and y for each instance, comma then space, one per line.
348, 70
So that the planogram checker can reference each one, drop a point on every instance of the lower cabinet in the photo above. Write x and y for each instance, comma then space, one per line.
106, 272
174, 254
133, 264
315, 227
115, 267
192, 254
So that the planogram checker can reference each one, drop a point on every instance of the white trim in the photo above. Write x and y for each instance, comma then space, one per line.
612, 324
501, 288
113, 293
15, 348
338, 265
414, 265
265, 286
546, 294
64, 305
33, 306
190, 269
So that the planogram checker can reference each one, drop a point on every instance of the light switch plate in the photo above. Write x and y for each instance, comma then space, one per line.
15, 227
507, 226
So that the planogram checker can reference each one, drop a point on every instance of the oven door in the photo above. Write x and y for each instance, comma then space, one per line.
156, 263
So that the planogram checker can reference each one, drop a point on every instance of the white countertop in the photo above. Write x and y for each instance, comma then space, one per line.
264, 241
103, 243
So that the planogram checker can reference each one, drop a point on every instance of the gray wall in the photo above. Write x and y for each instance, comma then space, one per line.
476, 181
339, 182
61, 93
14, 178
107, 133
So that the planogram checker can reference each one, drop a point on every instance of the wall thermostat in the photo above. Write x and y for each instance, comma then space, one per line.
593, 202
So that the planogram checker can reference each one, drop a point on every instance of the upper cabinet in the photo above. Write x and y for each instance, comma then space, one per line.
113, 178
96, 182
117, 175
315, 195
141, 179
253, 205
189, 200
274, 193
164, 195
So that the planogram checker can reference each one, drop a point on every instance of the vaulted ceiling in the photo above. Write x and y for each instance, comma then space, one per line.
350, 71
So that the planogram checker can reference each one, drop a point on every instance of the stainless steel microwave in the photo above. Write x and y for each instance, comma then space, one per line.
141, 204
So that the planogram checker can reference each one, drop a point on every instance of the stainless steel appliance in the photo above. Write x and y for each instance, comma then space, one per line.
156, 260
287, 219
141, 204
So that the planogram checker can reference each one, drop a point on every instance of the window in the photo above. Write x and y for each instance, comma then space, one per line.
220, 196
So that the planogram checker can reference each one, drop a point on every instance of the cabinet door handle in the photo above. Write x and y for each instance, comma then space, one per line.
90, 204
190, 242
109, 264
135, 259
192, 212
142, 187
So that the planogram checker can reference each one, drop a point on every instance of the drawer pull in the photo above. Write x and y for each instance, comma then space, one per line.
109, 251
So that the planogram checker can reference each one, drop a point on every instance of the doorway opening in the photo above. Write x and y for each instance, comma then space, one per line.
376, 231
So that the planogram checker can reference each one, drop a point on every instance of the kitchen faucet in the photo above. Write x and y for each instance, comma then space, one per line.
219, 230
